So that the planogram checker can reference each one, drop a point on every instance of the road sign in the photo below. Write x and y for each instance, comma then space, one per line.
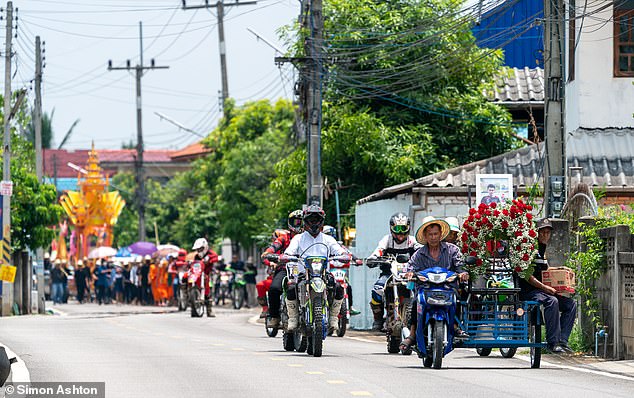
6, 188
7, 273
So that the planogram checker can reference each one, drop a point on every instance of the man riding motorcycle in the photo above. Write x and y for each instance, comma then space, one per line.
397, 242
207, 257
312, 242
281, 240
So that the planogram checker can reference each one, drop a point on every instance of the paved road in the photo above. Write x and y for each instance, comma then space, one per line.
149, 352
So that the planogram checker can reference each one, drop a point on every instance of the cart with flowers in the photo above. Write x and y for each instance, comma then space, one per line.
498, 241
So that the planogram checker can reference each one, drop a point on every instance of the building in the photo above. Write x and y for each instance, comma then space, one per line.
512, 27
60, 165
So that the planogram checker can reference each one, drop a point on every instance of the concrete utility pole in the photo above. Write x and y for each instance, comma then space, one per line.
313, 50
139, 69
221, 40
309, 91
555, 170
37, 121
6, 154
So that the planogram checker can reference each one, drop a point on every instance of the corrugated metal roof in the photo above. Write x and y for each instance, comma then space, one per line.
605, 157
518, 85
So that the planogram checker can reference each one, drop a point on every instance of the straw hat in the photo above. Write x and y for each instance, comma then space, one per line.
430, 220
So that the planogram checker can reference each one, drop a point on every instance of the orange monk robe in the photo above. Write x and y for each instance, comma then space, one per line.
153, 279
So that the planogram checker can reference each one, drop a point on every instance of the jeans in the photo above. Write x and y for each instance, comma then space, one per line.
57, 292
558, 327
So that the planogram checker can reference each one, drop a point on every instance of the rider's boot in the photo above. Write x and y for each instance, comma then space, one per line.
265, 306
292, 307
333, 321
377, 311
210, 307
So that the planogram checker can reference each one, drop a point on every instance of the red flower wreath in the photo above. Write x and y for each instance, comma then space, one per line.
487, 226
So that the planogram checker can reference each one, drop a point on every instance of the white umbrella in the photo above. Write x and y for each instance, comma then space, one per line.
102, 251
168, 247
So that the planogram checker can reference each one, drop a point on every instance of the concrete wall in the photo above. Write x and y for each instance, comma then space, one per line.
372, 223
597, 99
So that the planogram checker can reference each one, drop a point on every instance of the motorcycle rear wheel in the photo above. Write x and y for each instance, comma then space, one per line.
238, 297
343, 320
301, 342
270, 331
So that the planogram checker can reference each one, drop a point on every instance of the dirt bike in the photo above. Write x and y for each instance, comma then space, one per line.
222, 286
182, 290
341, 276
396, 300
312, 294
196, 280
239, 290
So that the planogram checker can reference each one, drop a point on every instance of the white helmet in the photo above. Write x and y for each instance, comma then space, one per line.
454, 224
201, 243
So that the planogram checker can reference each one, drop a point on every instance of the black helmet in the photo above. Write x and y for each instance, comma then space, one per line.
399, 223
314, 218
295, 221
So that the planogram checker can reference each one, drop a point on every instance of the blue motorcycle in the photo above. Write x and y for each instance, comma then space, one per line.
436, 310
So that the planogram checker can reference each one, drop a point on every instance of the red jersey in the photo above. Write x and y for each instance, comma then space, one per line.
281, 240
208, 260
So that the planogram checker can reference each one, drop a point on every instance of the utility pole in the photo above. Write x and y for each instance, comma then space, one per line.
37, 121
555, 170
221, 40
309, 91
139, 69
313, 50
6, 154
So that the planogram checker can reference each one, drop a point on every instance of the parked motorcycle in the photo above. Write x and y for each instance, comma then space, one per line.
196, 280
397, 300
436, 309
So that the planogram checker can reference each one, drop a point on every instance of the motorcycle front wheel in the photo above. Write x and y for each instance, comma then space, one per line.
343, 320
438, 348
182, 300
197, 304
317, 337
270, 331
238, 297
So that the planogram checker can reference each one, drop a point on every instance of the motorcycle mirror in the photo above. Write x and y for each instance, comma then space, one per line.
470, 260
402, 258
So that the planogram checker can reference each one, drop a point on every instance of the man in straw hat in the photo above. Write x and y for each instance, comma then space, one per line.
434, 253
558, 326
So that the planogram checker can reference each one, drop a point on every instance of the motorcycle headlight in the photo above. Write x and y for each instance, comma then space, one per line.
437, 278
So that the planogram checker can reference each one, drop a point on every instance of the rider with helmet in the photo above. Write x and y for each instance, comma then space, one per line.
281, 240
330, 230
207, 257
399, 241
312, 242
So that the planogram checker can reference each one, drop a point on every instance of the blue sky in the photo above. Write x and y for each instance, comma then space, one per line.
81, 36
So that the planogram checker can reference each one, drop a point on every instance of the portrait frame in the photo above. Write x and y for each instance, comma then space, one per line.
502, 188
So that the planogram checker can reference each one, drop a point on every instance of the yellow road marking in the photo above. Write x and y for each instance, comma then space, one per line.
237, 349
336, 382
315, 373
361, 393
295, 365
278, 359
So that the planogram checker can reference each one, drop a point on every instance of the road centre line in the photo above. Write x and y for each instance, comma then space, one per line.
314, 373
361, 393
336, 382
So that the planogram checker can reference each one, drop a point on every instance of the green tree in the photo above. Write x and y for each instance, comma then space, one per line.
47, 131
34, 207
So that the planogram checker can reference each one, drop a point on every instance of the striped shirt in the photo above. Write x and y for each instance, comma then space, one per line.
449, 258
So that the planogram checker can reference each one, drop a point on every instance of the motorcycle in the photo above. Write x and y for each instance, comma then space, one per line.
396, 300
182, 290
436, 309
196, 280
288, 338
341, 276
239, 290
222, 286
312, 294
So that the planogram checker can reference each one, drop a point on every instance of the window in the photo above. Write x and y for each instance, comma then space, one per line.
624, 39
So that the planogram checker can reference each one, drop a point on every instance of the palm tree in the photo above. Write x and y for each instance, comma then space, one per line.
47, 131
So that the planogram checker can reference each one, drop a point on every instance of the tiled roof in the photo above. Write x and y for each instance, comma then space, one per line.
604, 155
194, 150
518, 85
56, 160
